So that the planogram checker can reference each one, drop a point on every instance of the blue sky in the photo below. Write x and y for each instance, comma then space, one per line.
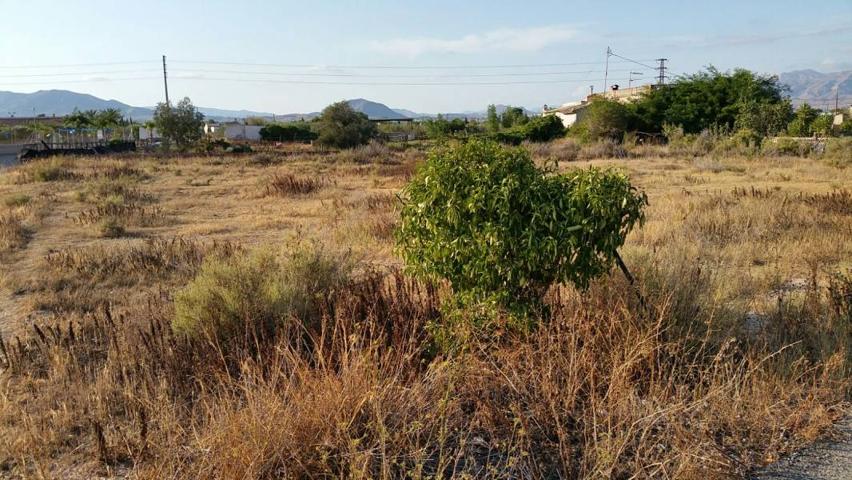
313, 53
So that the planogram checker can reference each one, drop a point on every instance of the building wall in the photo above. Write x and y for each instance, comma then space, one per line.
242, 132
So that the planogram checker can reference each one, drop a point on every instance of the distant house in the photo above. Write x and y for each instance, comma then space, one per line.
841, 117
148, 133
233, 131
572, 112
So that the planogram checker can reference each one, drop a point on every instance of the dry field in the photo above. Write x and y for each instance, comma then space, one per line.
742, 354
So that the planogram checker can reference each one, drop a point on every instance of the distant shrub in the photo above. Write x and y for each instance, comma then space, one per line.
502, 230
18, 200
604, 148
340, 126
566, 150
288, 132
288, 184
603, 119
789, 147
838, 151
49, 170
543, 128
255, 293
13, 234
112, 227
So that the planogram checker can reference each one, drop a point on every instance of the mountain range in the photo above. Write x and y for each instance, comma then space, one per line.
804, 86
818, 88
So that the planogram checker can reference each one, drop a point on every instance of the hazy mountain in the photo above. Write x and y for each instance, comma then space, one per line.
409, 114
374, 110
231, 114
63, 102
817, 88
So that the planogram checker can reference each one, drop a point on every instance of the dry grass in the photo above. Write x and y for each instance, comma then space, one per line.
288, 184
743, 354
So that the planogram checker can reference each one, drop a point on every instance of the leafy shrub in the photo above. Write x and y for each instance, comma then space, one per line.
257, 292
340, 126
602, 119
501, 230
288, 132
543, 128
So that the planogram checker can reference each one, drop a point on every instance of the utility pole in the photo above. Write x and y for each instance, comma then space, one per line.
836, 98
630, 78
165, 80
661, 79
606, 70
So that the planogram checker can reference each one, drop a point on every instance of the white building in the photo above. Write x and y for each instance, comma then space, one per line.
571, 112
233, 131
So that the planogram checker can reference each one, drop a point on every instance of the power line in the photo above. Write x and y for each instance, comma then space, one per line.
391, 67
89, 80
361, 75
70, 65
613, 54
413, 84
71, 74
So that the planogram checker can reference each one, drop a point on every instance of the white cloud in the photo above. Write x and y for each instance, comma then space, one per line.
502, 40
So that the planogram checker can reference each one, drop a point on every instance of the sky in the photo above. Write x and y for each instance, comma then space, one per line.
426, 56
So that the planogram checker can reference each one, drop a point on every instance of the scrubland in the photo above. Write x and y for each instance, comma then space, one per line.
739, 351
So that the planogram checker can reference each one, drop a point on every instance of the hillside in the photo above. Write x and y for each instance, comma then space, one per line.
63, 102
817, 88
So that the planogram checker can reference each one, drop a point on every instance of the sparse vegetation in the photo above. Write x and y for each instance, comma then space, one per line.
739, 354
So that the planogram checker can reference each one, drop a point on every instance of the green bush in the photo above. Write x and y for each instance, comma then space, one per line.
340, 126
502, 230
602, 119
543, 128
256, 292
288, 132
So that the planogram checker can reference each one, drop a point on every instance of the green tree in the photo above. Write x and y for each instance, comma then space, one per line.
492, 120
79, 119
513, 116
764, 118
603, 119
109, 118
801, 125
181, 124
342, 127
501, 230
543, 128
823, 125
288, 132
705, 100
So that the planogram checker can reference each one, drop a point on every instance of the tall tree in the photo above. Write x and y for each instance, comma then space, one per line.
342, 127
706, 99
181, 124
492, 121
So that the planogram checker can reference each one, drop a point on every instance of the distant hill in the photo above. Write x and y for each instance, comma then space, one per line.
374, 110
817, 88
63, 102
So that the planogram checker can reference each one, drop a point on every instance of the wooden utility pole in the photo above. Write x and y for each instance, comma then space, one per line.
165, 80
606, 70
